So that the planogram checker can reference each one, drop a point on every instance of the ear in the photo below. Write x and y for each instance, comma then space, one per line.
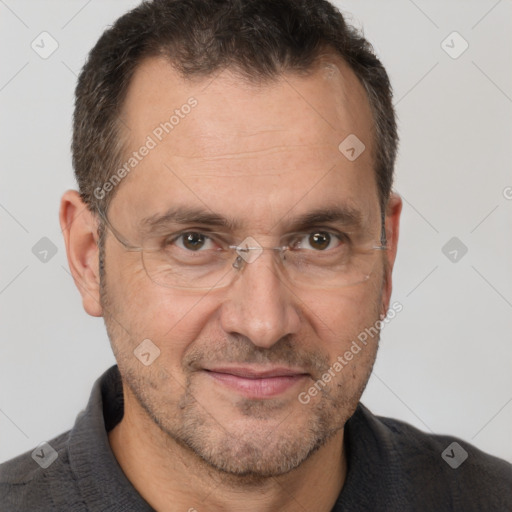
392, 226
80, 228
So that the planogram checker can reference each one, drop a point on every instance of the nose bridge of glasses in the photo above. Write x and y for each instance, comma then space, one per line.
249, 250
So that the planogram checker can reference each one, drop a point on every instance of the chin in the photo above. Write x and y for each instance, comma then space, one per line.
251, 447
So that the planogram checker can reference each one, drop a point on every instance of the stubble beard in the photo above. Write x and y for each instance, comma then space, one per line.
249, 456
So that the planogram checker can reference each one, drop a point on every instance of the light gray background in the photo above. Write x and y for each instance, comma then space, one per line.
444, 363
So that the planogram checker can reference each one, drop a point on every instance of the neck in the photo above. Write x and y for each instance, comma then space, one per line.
171, 477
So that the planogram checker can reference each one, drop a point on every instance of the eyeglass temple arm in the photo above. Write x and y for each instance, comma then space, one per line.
129, 247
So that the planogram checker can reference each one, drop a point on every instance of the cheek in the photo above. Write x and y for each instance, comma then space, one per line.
340, 318
171, 319
345, 310
346, 334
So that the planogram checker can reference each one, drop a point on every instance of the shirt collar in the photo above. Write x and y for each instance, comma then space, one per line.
101, 480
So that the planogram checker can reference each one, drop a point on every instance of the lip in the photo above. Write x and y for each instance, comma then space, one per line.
257, 383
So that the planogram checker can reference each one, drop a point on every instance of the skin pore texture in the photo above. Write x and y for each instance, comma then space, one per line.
261, 155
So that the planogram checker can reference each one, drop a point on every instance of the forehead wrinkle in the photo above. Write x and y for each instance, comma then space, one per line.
248, 154
287, 161
238, 175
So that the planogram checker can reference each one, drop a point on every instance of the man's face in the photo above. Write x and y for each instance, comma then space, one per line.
233, 361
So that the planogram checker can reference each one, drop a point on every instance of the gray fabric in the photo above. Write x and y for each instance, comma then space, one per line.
85, 476
391, 467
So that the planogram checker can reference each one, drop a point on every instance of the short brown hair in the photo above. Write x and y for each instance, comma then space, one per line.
260, 38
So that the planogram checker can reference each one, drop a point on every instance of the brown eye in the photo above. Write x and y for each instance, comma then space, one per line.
193, 241
316, 241
320, 240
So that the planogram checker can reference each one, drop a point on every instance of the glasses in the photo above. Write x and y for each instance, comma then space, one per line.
196, 259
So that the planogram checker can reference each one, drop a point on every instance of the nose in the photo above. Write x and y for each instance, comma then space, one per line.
259, 304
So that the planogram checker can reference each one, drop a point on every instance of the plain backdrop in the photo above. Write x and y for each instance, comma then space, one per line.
445, 360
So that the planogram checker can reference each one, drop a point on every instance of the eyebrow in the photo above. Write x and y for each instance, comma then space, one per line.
346, 215
187, 215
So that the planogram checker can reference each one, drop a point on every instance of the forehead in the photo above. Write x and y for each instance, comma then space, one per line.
246, 148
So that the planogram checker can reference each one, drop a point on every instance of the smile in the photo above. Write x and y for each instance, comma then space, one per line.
257, 384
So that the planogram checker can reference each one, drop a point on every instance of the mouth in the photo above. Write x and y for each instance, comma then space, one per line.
255, 383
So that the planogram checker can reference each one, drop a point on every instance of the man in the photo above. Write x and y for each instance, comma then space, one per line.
236, 229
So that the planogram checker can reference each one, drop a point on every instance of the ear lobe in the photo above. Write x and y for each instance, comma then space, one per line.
79, 227
392, 226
